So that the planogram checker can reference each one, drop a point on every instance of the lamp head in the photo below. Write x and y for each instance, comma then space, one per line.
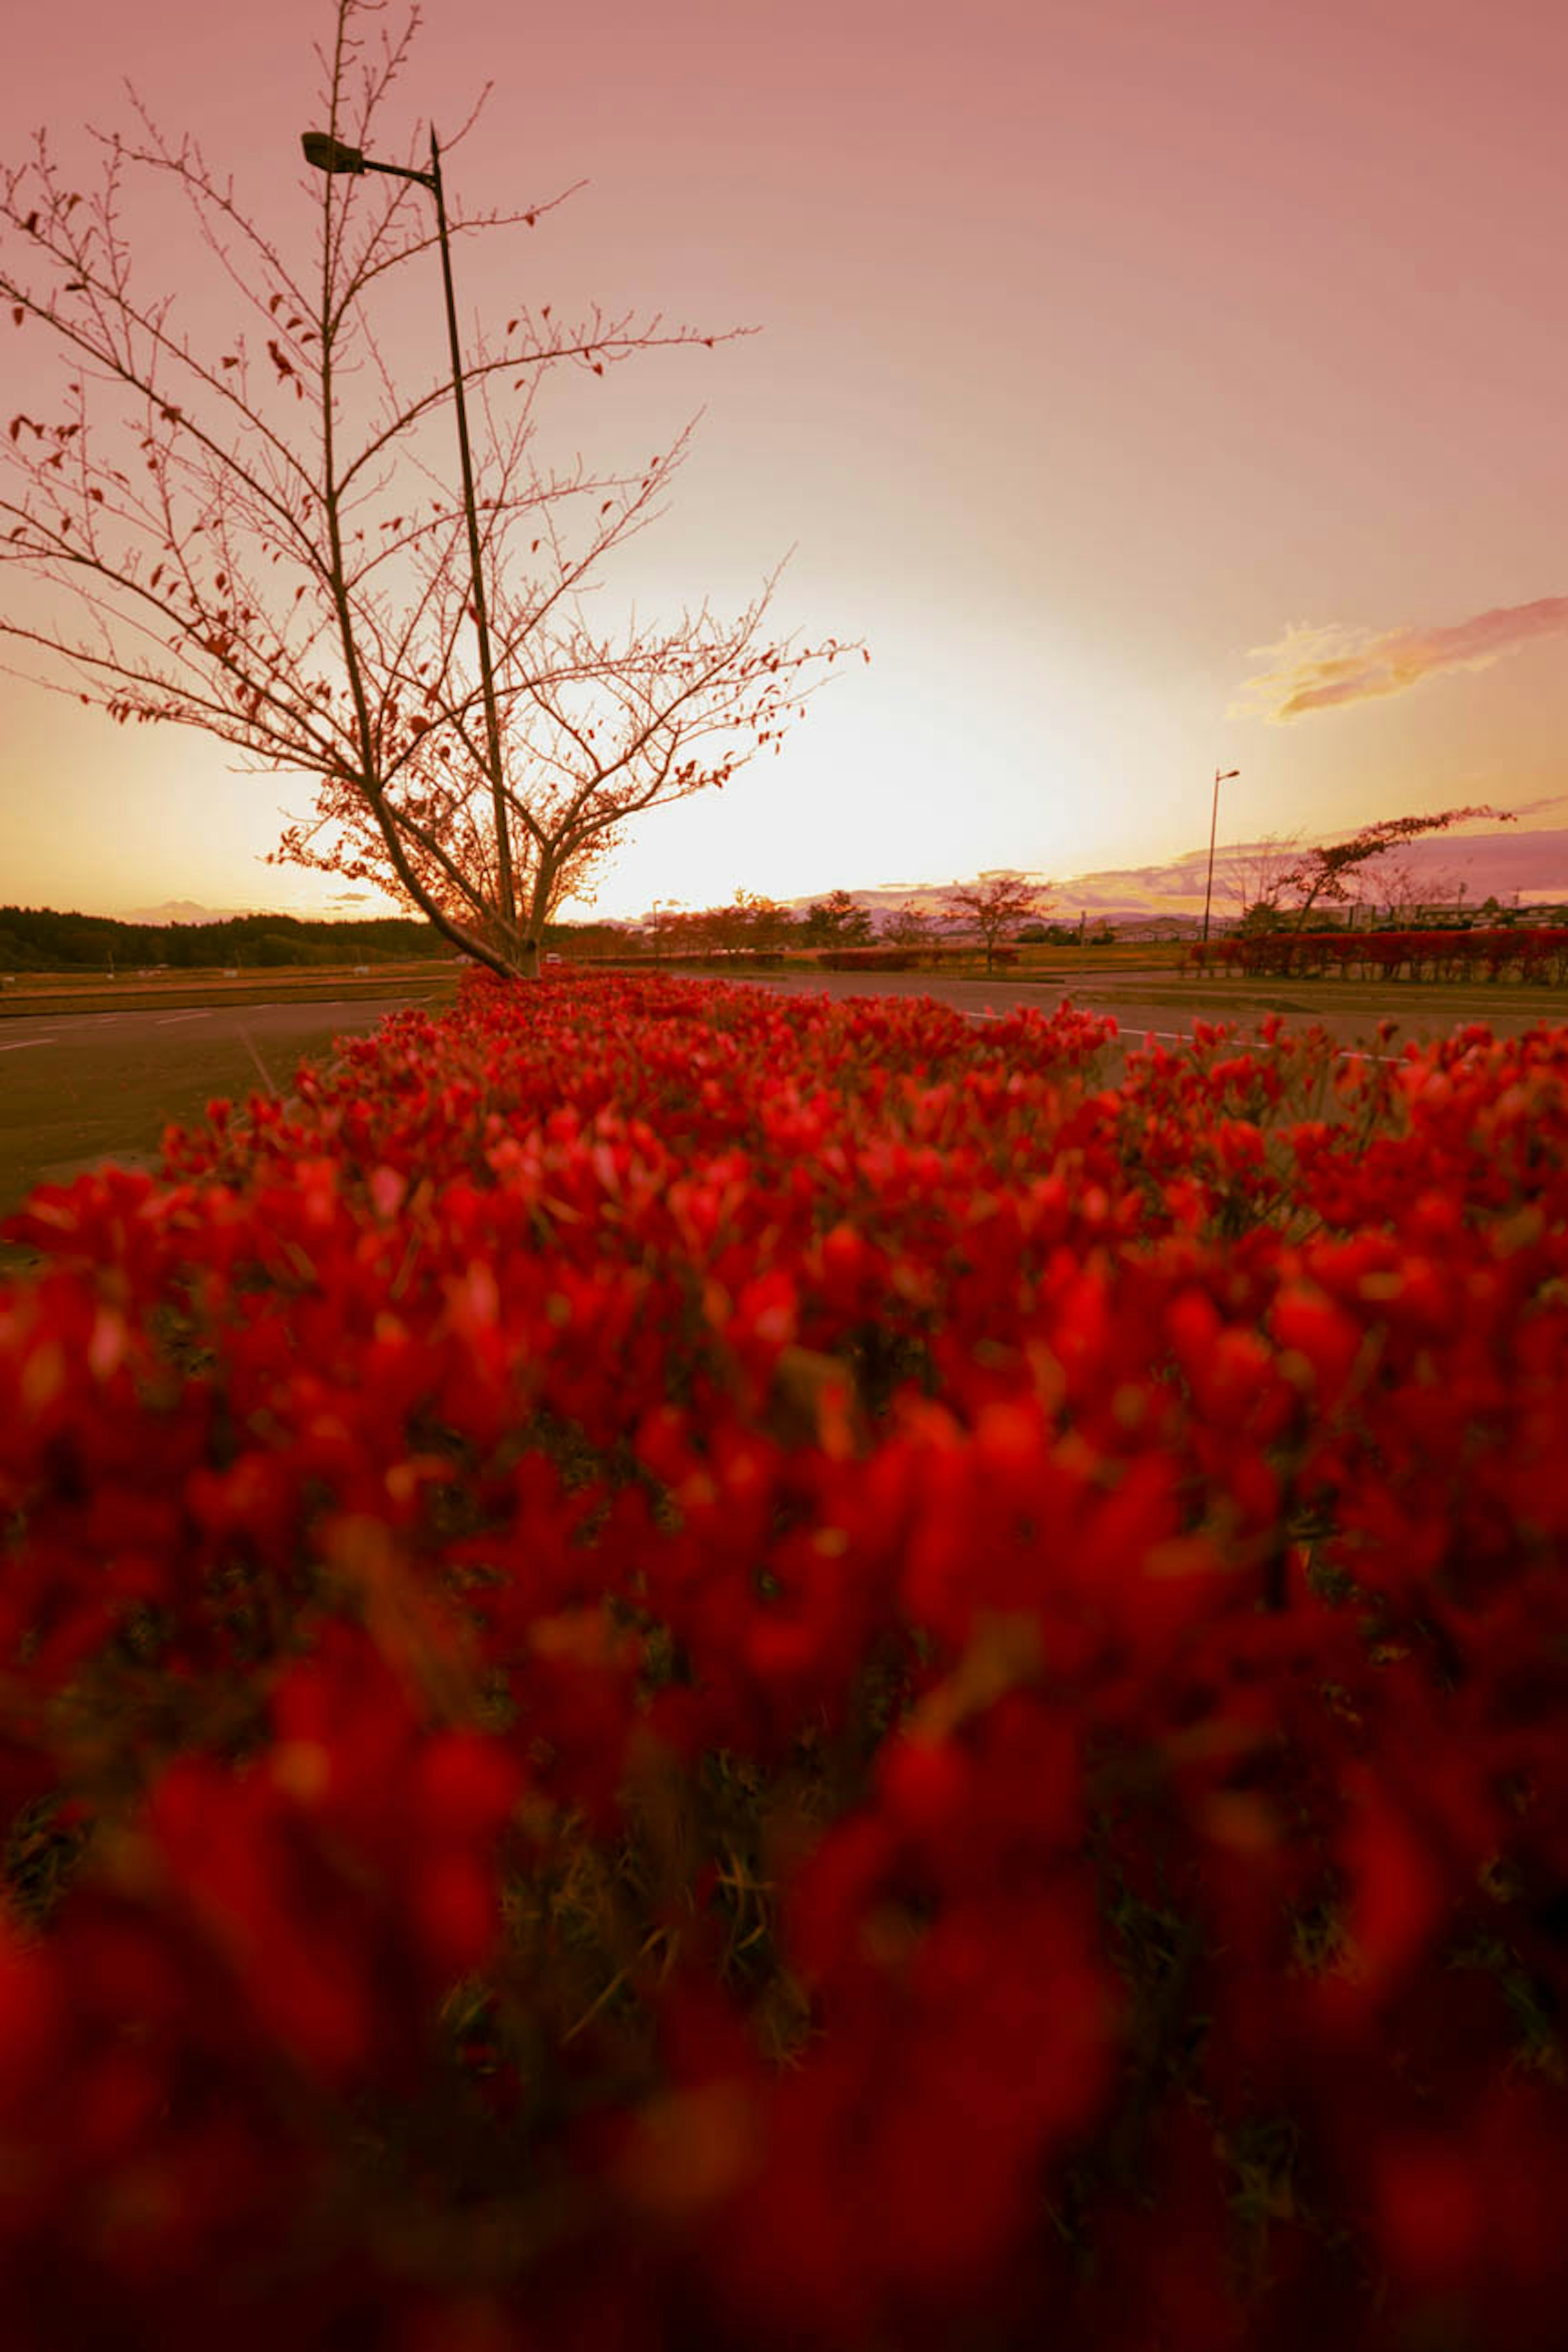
330, 154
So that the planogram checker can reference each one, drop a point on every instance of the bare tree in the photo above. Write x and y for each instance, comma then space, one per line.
749, 922
681, 931
1329, 871
911, 927
1256, 875
1399, 890
995, 905
763, 922
259, 535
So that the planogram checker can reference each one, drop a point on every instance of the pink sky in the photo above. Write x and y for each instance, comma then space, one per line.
1154, 388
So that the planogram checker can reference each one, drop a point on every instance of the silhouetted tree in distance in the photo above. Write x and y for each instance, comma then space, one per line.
995, 906
835, 922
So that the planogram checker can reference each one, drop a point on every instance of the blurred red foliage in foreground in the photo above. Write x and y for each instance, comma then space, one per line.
692, 1669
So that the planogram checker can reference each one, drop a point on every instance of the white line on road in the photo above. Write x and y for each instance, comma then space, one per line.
166, 1020
255, 1057
21, 1044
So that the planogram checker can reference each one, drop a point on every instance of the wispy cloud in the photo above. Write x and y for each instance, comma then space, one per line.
1322, 668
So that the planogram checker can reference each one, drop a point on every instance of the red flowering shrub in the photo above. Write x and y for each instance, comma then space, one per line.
684, 1668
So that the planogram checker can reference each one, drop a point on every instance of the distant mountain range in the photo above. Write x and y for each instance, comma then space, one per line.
191, 910
1526, 866
185, 910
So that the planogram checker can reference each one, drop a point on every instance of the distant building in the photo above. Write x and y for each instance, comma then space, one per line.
1160, 927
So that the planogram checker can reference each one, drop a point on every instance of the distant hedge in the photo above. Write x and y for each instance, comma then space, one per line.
1538, 953
891, 959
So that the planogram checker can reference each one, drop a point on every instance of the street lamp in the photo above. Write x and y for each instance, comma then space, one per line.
1213, 821
329, 154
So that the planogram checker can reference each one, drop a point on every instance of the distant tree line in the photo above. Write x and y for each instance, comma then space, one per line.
989, 913
41, 939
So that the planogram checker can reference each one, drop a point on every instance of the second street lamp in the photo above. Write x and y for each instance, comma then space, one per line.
1213, 821
329, 154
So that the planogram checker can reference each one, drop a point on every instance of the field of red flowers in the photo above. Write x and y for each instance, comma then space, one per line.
686, 1671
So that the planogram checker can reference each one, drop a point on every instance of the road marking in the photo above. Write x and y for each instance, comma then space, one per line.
21, 1044
166, 1020
271, 1081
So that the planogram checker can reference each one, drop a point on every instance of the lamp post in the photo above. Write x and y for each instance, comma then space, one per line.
330, 154
1213, 821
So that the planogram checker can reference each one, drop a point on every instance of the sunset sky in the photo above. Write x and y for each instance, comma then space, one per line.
1153, 387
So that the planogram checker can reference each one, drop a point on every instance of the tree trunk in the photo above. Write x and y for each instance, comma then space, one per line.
516, 943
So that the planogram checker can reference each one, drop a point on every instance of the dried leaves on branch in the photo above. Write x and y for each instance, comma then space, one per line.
265, 535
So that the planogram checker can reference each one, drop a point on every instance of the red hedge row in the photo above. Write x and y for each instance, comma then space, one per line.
689, 1669
1537, 954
